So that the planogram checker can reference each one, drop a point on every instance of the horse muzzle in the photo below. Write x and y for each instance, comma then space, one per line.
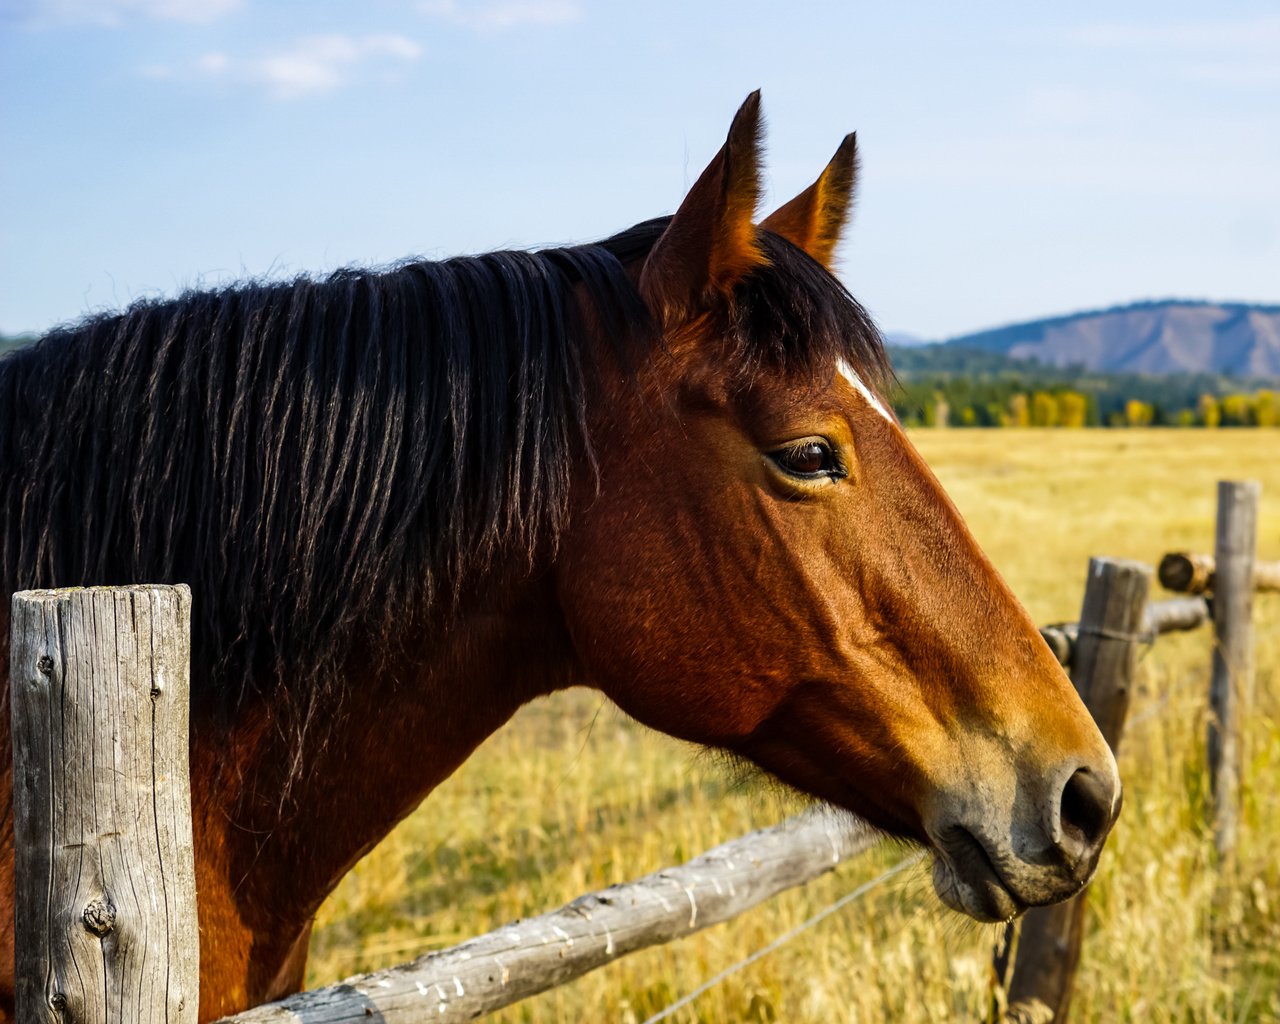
992, 866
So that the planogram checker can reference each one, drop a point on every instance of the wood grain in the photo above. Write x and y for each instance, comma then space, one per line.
105, 913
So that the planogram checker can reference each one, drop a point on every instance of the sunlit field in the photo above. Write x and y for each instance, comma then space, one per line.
572, 796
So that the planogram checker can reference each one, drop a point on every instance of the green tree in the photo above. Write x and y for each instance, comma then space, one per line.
938, 412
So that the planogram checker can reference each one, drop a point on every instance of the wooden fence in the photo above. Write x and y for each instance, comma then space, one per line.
104, 908
105, 901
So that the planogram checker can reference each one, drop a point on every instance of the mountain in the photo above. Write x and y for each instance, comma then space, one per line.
1172, 336
901, 339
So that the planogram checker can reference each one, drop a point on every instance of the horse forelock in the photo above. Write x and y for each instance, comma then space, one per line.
789, 314
795, 316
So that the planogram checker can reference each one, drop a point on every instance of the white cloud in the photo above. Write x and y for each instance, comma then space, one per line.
116, 12
213, 63
496, 15
310, 66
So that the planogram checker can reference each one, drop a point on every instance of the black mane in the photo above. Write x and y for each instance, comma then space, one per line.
319, 459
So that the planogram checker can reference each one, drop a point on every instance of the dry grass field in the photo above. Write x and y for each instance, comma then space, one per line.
572, 796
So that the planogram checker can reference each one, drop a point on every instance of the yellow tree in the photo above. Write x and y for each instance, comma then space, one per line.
1044, 410
1138, 413
1210, 411
1235, 410
1265, 411
1018, 414
1073, 409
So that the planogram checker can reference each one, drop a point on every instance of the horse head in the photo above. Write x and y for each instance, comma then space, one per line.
760, 561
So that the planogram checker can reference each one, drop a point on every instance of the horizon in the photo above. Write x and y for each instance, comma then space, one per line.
891, 337
1013, 162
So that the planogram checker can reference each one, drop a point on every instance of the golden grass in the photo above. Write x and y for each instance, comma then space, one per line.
572, 796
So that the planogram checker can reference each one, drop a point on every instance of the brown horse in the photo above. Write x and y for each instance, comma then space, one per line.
408, 502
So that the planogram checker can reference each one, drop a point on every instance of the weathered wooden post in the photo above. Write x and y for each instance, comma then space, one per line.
105, 914
1231, 684
1103, 661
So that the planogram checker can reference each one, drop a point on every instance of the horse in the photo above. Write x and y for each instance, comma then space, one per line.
410, 500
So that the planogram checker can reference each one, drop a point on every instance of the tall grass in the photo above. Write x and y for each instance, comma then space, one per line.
573, 796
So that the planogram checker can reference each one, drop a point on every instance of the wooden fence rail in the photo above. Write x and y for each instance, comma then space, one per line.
1174, 615
531, 956
107, 774
1186, 572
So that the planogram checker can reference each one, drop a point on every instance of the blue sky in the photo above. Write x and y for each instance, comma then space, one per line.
1018, 159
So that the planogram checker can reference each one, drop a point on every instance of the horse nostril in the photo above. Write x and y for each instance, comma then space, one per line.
1086, 811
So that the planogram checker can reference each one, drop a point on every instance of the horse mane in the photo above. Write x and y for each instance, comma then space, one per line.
322, 459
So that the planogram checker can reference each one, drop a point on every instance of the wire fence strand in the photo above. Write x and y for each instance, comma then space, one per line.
1156, 710
786, 937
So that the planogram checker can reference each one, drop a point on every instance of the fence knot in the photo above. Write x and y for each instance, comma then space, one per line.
99, 916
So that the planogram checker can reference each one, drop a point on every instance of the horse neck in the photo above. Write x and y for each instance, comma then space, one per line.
398, 732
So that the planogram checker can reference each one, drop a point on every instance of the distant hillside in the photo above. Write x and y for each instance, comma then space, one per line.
901, 339
1172, 336
13, 341
985, 388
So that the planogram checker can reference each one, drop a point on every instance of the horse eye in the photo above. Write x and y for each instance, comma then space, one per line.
808, 460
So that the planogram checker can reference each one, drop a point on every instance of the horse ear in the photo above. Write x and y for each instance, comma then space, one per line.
814, 219
711, 243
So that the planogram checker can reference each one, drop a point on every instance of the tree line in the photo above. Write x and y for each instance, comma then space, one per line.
951, 386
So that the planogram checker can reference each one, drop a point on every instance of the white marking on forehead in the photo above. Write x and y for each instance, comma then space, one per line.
847, 372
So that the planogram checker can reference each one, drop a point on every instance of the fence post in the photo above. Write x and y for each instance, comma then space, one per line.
105, 914
1102, 668
1232, 682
